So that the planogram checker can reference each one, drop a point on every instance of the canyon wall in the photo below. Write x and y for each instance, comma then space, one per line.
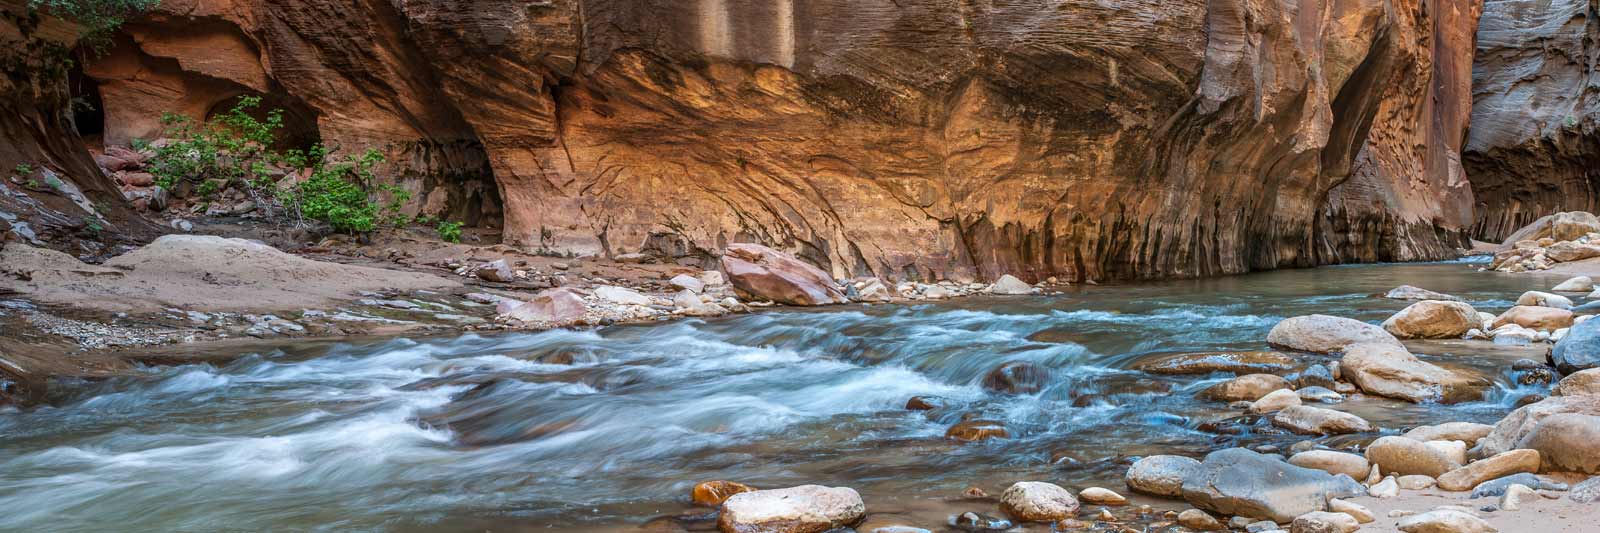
1086, 139
51, 191
1535, 142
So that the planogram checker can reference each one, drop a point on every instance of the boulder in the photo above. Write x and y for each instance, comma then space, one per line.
1577, 284
1016, 377
761, 273
1453, 449
1160, 475
1325, 334
1566, 226
1468, 432
1444, 521
1580, 383
1332, 462
688, 283
551, 307
1391, 371
712, 278
1516, 430
1565, 442
1586, 491
1388, 488
1535, 317
713, 493
1307, 420
1316, 376
1101, 496
1032, 501
1579, 350
874, 290
497, 271
1408, 292
1404, 456
620, 296
1544, 299
1240, 482
1433, 319
1275, 401
803, 509
1249, 387
1189, 364
1324, 522
1566, 251
1415, 482
1010, 285
1500, 465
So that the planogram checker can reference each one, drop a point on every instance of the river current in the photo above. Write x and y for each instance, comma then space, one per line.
608, 429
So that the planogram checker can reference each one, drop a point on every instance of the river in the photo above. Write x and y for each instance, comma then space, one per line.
473, 432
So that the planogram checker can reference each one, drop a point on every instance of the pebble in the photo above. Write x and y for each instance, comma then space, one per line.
1388, 488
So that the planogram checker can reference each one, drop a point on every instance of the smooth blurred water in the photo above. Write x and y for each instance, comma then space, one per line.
472, 433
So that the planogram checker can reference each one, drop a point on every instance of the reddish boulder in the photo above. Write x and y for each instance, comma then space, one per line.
761, 273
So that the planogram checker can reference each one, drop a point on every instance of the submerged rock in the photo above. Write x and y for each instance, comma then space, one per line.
1016, 377
977, 430
1208, 362
1408, 292
1325, 334
761, 273
803, 509
1240, 482
1032, 501
1160, 475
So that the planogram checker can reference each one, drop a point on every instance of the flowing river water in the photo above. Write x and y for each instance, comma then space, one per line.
474, 432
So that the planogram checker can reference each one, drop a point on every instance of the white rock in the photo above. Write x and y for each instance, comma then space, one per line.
1356, 510
688, 283
621, 296
1453, 449
1515, 495
803, 508
1033, 501
1388, 488
1577, 284
1275, 401
1544, 299
1445, 521
712, 278
1009, 284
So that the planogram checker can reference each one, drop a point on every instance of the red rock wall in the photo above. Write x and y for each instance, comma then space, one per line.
1088, 139
1534, 149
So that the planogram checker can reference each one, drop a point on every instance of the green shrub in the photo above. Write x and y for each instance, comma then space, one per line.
341, 193
449, 231
235, 147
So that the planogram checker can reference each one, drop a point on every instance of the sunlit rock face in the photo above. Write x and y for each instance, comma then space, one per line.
1085, 139
1534, 149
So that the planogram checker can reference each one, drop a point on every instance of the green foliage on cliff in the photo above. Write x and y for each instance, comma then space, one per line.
99, 18
235, 150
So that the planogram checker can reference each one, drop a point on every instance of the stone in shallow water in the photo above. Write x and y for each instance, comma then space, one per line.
1016, 377
1208, 362
1307, 420
807, 508
713, 493
1391, 371
1433, 319
1240, 482
1408, 292
1249, 387
1160, 475
1579, 350
1199, 520
977, 430
1032, 501
1100, 496
1325, 334
979, 522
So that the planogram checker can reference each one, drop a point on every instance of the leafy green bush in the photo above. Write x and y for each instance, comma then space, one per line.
449, 231
234, 147
341, 194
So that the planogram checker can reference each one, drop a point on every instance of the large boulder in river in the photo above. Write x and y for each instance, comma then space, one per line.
1575, 284
1579, 349
1535, 317
1566, 251
1033, 501
1391, 371
1009, 284
1408, 292
1240, 482
1568, 440
1325, 334
761, 273
1160, 475
1567, 226
1433, 319
803, 509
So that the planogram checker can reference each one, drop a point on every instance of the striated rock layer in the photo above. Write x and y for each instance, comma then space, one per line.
1534, 149
1087, 139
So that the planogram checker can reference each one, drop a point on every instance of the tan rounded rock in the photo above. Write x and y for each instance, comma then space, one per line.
1307, 420
1403, 456
1580, 383
1325, 334
1033, 501
1391, 371
1160, 475
1497, 466
1535, 317
1249, 387
1275, 401
803, 509
1101, 496
1332, 462
1433, 319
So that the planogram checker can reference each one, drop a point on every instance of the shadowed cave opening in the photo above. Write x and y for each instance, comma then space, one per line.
88, 110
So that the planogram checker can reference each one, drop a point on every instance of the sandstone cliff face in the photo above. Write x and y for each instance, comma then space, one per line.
1535, 144
51, 191
1088, 139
